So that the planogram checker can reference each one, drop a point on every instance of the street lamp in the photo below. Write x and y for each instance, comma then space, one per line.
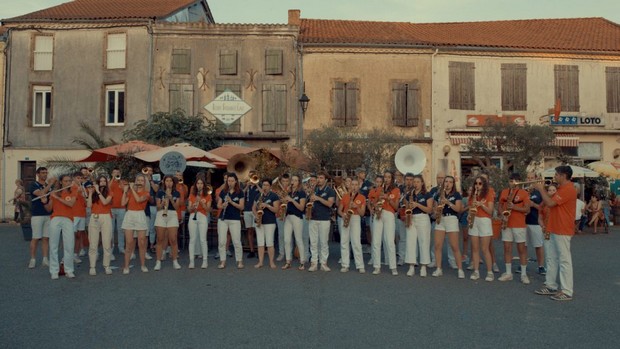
303, 102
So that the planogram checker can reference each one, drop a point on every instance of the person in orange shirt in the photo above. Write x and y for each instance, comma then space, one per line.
79, 217
136, 196
199, 207
356, 203
118, 211
482, 231
384, 224
514, 206
100, 202
62, 203
561, 224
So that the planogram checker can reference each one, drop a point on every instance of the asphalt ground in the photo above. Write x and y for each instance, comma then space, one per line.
267, 308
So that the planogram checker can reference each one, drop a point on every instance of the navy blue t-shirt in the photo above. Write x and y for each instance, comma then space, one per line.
365, 188
251, 194
38, 208
453, 198
268, 216
291, 208
321, 212
532, 217
231, 212
175, 195
422, 200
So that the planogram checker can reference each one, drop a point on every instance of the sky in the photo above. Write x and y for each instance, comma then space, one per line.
421, 11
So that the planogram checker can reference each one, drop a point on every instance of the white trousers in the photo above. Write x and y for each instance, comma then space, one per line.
383, 231
198, 228
559, 262
64, 226
101, 224
265, 234
352, 235
235, 233
319, 234
420, 240
294, 224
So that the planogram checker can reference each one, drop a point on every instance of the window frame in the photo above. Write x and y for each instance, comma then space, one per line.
274, 61
343, 93
225, 70
514, 86
412, 103
460, 96
34, 52
612, 89
108, 51
188, 54
564, 76
272, 98
115, 88
44, 89
181, 88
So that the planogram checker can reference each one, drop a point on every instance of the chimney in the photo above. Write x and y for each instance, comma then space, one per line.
294, 17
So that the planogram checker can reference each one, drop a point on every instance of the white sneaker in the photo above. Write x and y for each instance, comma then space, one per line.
108, 270
148, 256
125, 271
377, 271
55, 276
76, 260
423, 271
411, 271
475, 275
437, 273
525, 280
112, 258
82, 253
205, 264
176, 265
313, 267
362, 271
344, 269
157, 266
324, 267
92, 272
144, 269
461, 274
191, 265
490, 277
70, 275
280, 258
505, 277
394, 272
32, 264
46, 262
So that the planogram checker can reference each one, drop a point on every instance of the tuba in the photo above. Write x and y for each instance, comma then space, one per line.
241, 165
410, 159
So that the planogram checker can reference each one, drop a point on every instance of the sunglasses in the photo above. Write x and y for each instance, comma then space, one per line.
479, 183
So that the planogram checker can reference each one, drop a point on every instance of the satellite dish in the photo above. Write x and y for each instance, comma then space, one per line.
172, 162
410, 159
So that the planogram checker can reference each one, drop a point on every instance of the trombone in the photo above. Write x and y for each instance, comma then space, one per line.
525, 184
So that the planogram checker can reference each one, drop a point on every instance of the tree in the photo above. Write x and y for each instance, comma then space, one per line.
166, 129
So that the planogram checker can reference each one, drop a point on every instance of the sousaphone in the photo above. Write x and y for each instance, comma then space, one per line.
410, 159
241, 165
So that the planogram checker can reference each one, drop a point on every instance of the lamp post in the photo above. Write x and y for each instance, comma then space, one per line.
303, 103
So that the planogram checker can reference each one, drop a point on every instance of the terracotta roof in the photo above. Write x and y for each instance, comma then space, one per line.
106, 9
580, 34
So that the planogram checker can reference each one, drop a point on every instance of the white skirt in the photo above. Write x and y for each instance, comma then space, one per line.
135, 220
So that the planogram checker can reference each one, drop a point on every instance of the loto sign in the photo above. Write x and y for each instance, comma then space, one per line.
575, 120
227, 107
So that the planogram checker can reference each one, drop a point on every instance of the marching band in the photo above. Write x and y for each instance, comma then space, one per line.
396, 209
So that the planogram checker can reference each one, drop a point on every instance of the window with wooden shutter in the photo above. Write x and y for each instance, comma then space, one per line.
567, 86
115, 51
236, 89
182, 97
462, 85
406, 108
344, 99
273, 62
181, 61
43, 52
612, 77
274, 108
514, 86
228, 62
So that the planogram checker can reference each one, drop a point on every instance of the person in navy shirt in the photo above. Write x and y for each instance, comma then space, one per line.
231, 202
40, 220
534, 230
293, 223
268, 203
250, 194
322, 199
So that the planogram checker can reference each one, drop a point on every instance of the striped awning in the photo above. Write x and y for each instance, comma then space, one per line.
563, 140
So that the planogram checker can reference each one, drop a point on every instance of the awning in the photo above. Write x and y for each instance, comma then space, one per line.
563, 140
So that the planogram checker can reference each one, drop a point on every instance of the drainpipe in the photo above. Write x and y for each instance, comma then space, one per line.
149, 97
433, 145
5, 131
301, 88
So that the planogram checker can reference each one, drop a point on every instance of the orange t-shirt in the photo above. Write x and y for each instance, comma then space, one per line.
522, 198
359, 200
99, 208
373, 195
216, 211
79, 209
206, 198
61, 210
390, 196
132, 205
117, 193
562, 215
488, 199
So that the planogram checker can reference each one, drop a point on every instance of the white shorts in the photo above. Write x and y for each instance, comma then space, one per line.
482, 227
535, 236
79, 224
248, 219
448, 224
135, 220
170, 221
40, 227
513, 235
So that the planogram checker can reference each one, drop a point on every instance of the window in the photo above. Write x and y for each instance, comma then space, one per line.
590, 150
182, 97
115, 105
43, 52
273, 62
274, 108
567, 86
228, 62
345, 97
236, 89
41, 106
117, 44
514, 86
406, 103
181, 61
612, 75
462, 85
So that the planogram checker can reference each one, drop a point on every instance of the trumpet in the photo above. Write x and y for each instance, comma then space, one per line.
254, 179
181, 181
209, 189
526, 184
145, 171
117, 177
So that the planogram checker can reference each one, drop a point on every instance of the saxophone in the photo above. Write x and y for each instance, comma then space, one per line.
440, 204
473, 210
309, 204
409, 210
506, 213
165, 203
347, 216
379, 205
259, 212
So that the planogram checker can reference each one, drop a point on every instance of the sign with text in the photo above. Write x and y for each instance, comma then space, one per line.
227, 107
576, 120
483, 120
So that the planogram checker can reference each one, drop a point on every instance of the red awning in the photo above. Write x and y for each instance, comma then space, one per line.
563, 140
